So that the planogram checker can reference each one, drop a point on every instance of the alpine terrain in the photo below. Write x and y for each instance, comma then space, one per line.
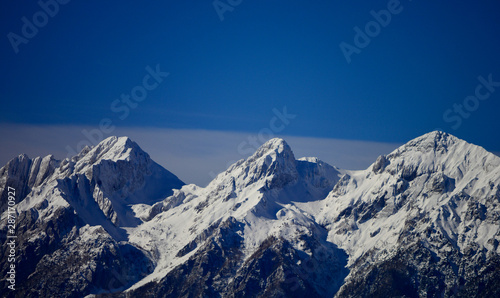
421, 221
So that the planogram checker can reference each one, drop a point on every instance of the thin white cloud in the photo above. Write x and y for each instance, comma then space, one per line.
195, 156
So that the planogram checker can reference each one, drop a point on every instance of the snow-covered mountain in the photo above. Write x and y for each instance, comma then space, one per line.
243, 233
423, 220
72, 217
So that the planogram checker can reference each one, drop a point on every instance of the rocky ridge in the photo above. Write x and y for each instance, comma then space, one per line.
423, 220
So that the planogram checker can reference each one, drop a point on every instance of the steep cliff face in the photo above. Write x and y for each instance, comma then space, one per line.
425, 217
23, 174
71, 214
422, 221
234, 231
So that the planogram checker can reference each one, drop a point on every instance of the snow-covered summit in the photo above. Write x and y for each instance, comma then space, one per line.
438, 152
435, 140
111, 149
104, 180
423, 220
273, 159
271, 168
276, 147
435, 194
116, 148
259, 193
24, 174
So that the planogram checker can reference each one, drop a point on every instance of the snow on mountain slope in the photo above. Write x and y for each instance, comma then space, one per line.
105, 179
259, 192
63, 204
23, 174
422, 221
435, 174
437, 193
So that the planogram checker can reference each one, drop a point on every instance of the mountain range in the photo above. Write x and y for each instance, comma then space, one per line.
421, 221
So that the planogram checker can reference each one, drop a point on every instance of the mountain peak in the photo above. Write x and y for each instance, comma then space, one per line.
429, 206
273, 158
275, 148
436, 141
113, 149
437, 151
439, 146
438, 137
275, 143
117, 145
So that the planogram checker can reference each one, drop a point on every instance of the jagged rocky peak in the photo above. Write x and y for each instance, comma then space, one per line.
275, 164
114, 174
41, 169
275, 154
274, 147
79, 156
16, 165
271, 168
113, 149
121, 173
14, 174
273, 160
265, 227
23, 173
437, 196
436, 152
318, 172
435, 140
380, 164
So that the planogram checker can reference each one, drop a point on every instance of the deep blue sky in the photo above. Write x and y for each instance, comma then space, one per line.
230, 74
